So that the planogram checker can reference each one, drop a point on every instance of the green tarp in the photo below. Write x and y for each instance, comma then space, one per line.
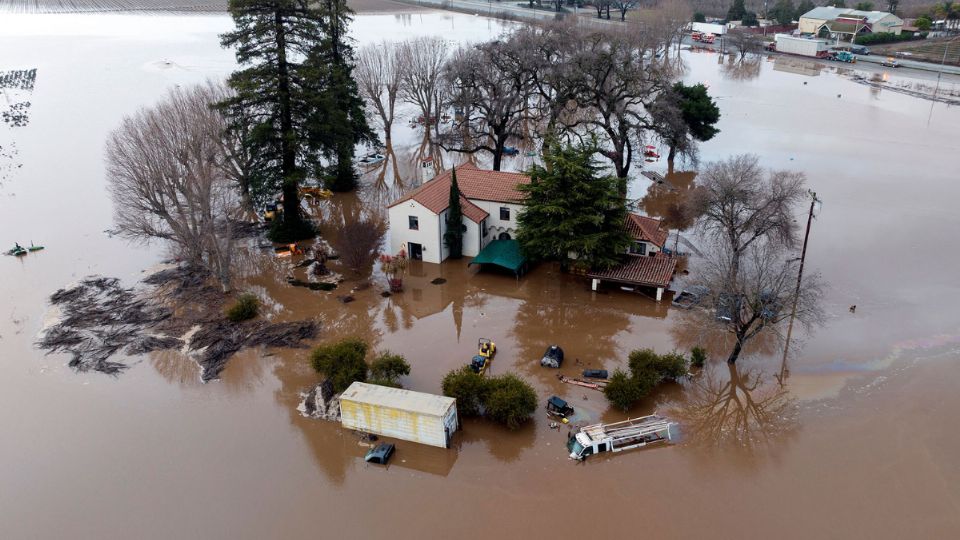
503, 253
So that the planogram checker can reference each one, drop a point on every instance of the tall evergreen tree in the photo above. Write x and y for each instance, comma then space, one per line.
454, 235
273, 91
571, 209
736, 11
338, 121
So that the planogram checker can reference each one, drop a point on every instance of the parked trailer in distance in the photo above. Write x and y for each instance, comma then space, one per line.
708, 28
402, 414
813, 48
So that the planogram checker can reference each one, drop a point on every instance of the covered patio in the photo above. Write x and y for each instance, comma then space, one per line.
639, 271
503, 253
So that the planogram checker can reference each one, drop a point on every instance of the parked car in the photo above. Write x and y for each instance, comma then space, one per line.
860, 49
728, 306
553, 357
691, 297
596, 374
890, 62
380, 454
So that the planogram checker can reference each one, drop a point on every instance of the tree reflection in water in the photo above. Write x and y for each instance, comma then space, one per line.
746, 69
726, 407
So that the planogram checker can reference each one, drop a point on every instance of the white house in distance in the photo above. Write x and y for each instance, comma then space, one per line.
490, 202
845, 22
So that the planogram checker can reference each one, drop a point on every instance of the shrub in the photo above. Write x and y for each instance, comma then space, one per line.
245, 308
698, 357
876, 39
622, 390
468, 388
341, 362
509, 400
647, 370
387, 368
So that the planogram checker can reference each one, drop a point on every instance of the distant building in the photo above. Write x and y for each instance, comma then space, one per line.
845, 23
490, 202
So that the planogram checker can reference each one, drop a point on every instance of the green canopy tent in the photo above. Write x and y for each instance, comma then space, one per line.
503, 253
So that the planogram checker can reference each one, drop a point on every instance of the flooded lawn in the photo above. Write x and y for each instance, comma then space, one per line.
857, 444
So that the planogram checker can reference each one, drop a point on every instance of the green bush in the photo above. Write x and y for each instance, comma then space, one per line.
877, 39
245, 308
509, 400
698, 357
387, 368
647, 370
622, 390
341, 362
468, 388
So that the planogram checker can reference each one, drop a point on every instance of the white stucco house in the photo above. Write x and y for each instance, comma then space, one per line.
490, 202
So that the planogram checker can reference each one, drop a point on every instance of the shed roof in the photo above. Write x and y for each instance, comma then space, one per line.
475, 184
828, 13
639, 270
646, 228
398, 398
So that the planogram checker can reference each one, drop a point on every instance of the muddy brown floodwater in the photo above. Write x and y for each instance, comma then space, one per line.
858, 443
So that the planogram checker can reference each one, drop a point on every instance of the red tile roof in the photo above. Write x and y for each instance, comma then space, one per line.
476, 184
639, 270
646, 229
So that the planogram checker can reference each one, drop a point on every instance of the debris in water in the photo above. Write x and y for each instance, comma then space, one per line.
438, 281
99, 319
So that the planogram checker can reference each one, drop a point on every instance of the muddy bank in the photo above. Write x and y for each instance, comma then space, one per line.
99, 320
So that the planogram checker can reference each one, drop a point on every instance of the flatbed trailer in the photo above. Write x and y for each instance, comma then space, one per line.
619, 436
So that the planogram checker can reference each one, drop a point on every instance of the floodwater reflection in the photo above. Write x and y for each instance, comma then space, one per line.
728, 405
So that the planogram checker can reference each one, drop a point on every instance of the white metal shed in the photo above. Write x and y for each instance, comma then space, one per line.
403, 414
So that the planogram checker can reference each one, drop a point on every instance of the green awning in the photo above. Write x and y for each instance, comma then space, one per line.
503, 253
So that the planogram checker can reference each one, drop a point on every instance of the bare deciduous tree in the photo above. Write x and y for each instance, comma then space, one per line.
379, 72
490, 86
616, 75
745, 43
756, 291
168, 173
357, 241
623, 6
423, 60
740, 204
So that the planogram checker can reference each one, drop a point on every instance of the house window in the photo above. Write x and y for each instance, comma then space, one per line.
638, 248
504, 213
414, 223
483, 227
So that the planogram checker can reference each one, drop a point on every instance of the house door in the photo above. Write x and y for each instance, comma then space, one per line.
416, 251
504, 236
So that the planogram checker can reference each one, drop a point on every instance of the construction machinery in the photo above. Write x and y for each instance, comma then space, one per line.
486, 347
619, 436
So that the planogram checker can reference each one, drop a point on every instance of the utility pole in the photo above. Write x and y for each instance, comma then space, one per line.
793, 313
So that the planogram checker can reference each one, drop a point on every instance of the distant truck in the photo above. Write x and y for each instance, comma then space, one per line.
402, 414
709, 28
813, 48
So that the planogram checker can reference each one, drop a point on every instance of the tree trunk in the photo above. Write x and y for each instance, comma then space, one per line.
291, 198
735, 353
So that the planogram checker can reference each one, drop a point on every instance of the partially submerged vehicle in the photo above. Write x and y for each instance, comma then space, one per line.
558, 407
479, 364
689, 298
890, 62
596, 374
380, 454
552, 357
510, 151
619, 436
